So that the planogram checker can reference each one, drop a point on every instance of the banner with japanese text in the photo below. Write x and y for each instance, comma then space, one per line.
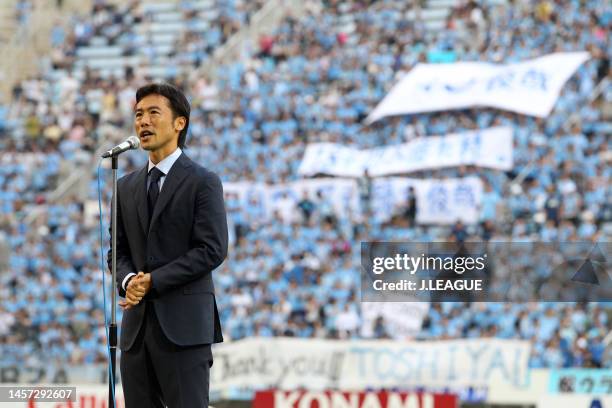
529, 87
490, 148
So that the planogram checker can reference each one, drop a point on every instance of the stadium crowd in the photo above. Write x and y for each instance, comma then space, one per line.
315, 79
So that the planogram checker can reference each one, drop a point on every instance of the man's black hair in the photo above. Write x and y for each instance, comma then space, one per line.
178, 103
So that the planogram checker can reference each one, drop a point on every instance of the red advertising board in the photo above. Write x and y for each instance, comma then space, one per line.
356, 399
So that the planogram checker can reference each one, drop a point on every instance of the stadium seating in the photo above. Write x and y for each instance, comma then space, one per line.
315, 80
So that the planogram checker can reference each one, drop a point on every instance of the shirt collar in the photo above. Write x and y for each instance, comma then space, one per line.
166, 164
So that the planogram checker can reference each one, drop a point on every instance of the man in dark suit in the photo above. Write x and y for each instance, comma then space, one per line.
171, 235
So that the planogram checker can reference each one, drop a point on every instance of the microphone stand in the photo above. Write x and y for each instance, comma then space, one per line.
112, 330
131, 143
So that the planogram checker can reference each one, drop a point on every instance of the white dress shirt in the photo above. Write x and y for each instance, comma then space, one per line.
165, 166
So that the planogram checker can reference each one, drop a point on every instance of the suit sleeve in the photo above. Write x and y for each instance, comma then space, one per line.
209, 240
125, 265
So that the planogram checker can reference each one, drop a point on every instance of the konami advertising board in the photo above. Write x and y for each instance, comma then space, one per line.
356, 399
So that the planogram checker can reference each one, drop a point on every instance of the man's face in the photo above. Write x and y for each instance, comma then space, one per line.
154, 123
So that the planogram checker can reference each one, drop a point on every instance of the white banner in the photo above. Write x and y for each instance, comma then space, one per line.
403, 320
265, 199
315, 364
484, 148
530, 87
438, 201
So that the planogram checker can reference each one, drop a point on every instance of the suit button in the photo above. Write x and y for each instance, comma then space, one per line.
151, 259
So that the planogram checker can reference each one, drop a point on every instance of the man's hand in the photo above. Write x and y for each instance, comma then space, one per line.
137, 288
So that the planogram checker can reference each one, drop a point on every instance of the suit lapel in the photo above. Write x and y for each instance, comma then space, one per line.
174, 178
140, 192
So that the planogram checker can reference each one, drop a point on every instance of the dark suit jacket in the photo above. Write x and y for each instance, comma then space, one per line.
185, 242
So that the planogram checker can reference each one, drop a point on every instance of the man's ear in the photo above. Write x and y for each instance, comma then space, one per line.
179, 123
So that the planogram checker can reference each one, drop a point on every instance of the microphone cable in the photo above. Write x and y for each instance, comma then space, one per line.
102, 269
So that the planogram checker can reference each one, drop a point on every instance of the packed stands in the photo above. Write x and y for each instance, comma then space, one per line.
315, 79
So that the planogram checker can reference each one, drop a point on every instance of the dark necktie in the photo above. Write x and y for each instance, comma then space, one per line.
154, 175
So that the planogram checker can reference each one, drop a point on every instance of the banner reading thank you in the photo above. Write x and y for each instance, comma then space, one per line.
530, 87
293, 363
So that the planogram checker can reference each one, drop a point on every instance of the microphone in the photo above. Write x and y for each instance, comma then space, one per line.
132, 142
